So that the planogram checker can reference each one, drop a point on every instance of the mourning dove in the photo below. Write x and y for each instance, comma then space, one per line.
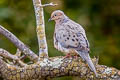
70, 37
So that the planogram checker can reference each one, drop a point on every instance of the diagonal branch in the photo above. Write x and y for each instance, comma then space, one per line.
20, 45
57, 67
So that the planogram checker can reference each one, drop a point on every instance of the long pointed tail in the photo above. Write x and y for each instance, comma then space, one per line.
85, 56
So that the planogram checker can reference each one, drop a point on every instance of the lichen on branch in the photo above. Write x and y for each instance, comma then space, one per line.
57, 67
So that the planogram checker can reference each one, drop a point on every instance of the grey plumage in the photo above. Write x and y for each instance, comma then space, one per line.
69, 35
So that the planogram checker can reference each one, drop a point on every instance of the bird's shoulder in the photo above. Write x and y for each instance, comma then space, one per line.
73, 26
75, 29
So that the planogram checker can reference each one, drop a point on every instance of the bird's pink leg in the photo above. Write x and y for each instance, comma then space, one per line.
68, 55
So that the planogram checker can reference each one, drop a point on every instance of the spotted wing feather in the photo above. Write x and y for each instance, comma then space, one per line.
72, 35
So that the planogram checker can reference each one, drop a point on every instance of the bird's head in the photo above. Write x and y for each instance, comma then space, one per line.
57, 15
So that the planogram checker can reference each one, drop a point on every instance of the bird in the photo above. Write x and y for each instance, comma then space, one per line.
70, 37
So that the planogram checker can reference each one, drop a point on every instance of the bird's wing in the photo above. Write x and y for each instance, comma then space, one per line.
72, 35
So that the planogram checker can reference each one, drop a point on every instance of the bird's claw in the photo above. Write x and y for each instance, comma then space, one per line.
68, 56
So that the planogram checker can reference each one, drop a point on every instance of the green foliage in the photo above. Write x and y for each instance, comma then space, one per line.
100, 18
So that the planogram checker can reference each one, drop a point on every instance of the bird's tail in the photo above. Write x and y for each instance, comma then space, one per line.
85, 56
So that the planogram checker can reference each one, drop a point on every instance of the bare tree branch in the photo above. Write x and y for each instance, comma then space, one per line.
20, 45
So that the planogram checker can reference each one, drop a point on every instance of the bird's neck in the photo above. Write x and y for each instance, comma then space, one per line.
58, 21
63, 20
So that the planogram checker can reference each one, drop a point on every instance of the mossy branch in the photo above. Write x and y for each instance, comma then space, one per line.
57, 67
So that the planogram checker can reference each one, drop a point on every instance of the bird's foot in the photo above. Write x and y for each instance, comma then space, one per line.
68, 55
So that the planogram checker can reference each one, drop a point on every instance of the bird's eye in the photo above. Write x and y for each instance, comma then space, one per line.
55, 15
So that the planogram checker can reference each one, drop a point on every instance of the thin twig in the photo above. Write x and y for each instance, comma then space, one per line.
50, 4
18, 53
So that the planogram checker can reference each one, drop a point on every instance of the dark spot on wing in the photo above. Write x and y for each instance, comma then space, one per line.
80, 46
81, 40
70, 27
76, 39
88, 51
63, 35
60, 21
87, 44
67, 38
73, 40
73, 35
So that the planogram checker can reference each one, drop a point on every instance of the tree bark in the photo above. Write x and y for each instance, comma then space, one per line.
57, 67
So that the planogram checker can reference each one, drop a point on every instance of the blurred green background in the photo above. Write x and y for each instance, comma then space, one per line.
100, 19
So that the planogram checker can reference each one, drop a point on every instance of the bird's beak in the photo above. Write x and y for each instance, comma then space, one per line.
49, 19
